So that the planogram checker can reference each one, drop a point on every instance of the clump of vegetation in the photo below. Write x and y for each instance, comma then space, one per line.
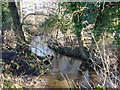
25, 65
9, 84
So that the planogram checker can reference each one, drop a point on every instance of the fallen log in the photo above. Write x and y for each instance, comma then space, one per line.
74, 52
67, 51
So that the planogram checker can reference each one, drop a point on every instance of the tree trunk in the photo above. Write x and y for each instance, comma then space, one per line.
17, 25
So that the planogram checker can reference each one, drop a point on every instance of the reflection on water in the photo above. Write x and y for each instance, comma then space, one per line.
62, 65
39, 47
65, 65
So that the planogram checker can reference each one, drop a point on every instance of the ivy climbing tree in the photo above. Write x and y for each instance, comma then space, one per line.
104, 16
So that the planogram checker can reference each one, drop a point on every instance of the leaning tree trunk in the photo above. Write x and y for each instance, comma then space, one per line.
17, 28
77, 52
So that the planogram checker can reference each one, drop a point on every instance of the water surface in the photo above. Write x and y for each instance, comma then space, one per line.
64, 72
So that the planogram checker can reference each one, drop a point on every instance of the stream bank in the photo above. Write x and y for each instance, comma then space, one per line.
62, 72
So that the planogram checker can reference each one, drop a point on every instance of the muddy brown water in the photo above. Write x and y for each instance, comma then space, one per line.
65, 70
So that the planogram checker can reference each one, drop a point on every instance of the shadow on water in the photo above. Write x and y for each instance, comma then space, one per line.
64, 72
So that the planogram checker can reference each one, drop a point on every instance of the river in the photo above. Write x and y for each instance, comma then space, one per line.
65, 70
